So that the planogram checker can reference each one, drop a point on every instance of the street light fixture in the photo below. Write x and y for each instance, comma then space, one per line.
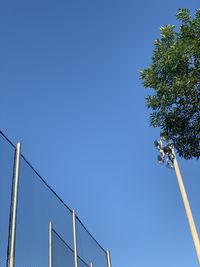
168, 156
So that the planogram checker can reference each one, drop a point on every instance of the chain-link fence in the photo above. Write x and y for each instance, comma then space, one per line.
37, 228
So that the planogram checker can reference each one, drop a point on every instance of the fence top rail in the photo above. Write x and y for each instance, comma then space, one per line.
50, 188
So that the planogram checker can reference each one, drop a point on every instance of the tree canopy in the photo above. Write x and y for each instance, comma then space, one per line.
174, 76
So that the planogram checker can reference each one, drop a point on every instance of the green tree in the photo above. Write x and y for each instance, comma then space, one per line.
174, 74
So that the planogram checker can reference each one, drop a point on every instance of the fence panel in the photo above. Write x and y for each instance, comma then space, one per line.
81, 263
88, 248
62, 254
37, 206
7, 152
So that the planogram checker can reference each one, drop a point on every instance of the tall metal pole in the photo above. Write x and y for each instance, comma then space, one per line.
187, 208
14, 205
91, 264
50, 244
108, 258
75, 239
167, 152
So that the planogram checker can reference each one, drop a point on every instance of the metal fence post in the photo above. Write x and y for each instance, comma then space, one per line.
14, 205
108, 258
187, 208
75, 239
50, 244
91, 264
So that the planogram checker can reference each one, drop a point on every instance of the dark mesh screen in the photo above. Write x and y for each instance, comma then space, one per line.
37, 206
88, 248
81, 263
7, 153
62, 254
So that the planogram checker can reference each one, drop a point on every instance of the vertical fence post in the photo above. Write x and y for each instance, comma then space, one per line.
14, 205
91, 264
108, 258
75, 239
50, 244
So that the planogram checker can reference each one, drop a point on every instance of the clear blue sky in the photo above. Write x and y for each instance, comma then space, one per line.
70, 92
